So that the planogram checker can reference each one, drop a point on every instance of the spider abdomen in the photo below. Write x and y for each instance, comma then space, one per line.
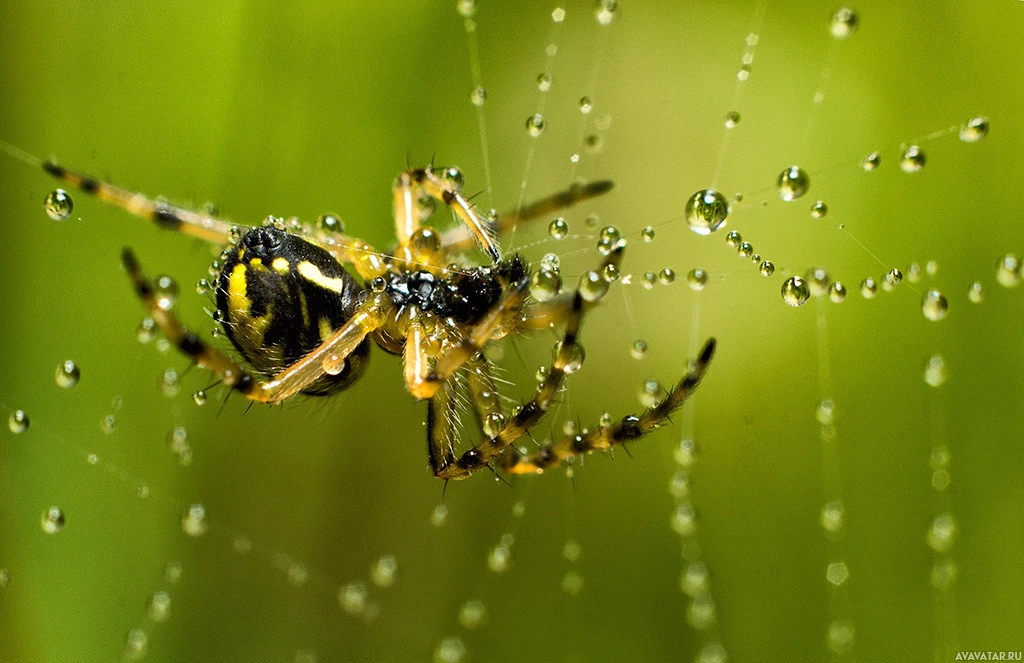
279, 297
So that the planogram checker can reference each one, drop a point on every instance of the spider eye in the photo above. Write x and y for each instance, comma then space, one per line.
263, 242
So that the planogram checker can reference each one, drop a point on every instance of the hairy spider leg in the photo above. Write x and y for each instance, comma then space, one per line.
530, 413
459, 239
483, 393
437, 188
627, 429
329, 357
163, 214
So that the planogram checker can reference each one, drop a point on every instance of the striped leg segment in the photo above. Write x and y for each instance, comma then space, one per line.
627, 429
327, 358
163, 214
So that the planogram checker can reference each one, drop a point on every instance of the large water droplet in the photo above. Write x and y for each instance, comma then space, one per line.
912, 160
792, 183
706, 211
558, 228
844, 23
58, 205
974, 129
697, 278
18, 422
67, 375
193, 521
52, 520
934, 305
794, 291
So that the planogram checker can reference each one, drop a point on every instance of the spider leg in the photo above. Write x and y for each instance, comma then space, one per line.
482, 391
460, 239
441, 427
329, 357
625, 430
437, 188
163, 214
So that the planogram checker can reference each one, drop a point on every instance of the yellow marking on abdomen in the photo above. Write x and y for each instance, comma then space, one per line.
312, 273
281, 265
247, 329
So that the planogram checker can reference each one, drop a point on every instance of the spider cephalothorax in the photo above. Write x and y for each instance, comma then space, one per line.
304, 323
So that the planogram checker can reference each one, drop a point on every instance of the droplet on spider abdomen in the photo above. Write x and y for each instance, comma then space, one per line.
706, 211
58, 205
67, 375
792, 183
794, 291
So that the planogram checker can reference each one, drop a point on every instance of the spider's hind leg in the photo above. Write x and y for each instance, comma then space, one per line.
627, 429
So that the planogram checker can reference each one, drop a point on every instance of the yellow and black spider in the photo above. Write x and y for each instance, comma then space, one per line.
304, 323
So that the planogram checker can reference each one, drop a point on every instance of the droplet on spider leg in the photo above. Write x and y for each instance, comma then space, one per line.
333, 364
792, 183
453, 177
58, 205
146, 330
650, 393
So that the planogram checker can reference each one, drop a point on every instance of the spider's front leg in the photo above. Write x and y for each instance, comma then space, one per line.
328, 358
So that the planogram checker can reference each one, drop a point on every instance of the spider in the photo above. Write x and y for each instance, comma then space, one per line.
304, 323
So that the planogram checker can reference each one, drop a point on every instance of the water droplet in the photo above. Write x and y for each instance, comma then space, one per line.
535, 125
572, 583
67, 375
944, 574
586, 105
352, 598
638, 350
473, 614
819, 209
706, 211
450, 650
794, 291
543, 82
384, 571
159, 606
1008, 271
52, 520
934, 305
694, 579
871, 161
550, 262
792, 183
647, 234
833, 516
942, 532
666, 276
697, 278
109, 424
333, 364
58, 205
199, 398
165, 292
330, 223
837, 573
767, 268
146, 330
868, 288
701, 612
732, 118
577, 355
648, 280
826, 413
499, 558
18, 422
733, 239
912, 160
712, 652
135, 644
844, 23
650, 393
5, 578
837, 292
604, 11
467, 8
743, 73
976, 292
745, 250
454, 178
558, 228
610, 273
493, 423
840, 636
935, 371
974, 129
892, 279
169, 383
592, 286
193, 521
818, 281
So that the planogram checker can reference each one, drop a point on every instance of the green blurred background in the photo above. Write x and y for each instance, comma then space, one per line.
297, 108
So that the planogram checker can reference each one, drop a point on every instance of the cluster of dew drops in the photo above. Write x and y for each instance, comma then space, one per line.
708, 210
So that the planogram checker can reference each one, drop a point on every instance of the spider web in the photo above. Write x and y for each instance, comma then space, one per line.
835, 505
